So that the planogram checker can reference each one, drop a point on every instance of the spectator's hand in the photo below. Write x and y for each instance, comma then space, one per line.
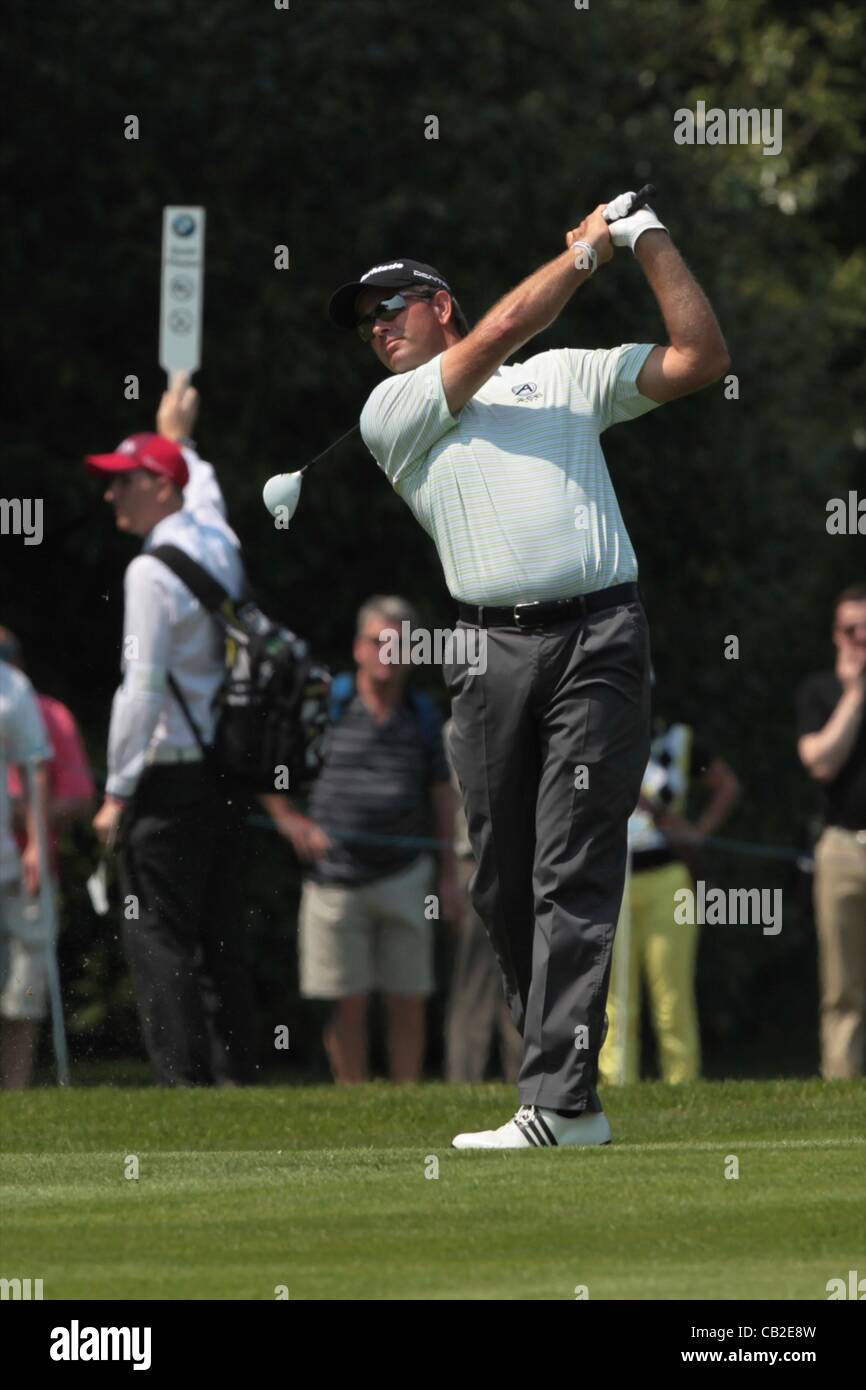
107, 820
309, 840
851, 668
178, 409
596, 231
30, 869
452, 899
678, 830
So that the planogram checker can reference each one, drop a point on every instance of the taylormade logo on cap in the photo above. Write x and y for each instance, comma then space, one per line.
392, 265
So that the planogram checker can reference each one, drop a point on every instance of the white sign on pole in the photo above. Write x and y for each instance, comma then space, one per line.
182, 293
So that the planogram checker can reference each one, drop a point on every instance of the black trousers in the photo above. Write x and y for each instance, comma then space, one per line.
550, 744
180, 854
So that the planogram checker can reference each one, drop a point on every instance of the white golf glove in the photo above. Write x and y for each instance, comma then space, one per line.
625, 231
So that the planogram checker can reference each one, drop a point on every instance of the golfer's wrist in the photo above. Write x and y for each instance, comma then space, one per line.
650, 241
584, 256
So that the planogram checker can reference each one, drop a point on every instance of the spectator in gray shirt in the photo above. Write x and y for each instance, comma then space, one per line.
369, 900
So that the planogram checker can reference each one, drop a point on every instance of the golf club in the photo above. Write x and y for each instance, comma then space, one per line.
284, 489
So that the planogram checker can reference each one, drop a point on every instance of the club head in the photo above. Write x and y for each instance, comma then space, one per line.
283, 490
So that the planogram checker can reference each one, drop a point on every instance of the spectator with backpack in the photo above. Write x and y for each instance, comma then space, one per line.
370, 897
175, 822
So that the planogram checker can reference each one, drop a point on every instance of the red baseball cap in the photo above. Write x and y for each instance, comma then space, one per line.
150, 451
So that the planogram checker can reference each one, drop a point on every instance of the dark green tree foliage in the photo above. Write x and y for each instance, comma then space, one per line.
306, 127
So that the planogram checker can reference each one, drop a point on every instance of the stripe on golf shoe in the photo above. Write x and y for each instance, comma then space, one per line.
545, 1128
536, 1131
523, 1125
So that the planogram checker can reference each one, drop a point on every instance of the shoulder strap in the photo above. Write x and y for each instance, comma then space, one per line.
187, 714
427, 715
209, 592
342, 691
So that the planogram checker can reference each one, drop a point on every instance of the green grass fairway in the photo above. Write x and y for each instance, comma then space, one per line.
324, 1191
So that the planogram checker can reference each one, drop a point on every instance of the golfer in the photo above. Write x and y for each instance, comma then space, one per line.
503, 467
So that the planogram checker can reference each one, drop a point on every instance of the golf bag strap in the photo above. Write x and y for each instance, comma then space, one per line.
187, 714
209, 592
211, 595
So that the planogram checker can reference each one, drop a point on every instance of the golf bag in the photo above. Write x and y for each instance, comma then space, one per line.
274, 702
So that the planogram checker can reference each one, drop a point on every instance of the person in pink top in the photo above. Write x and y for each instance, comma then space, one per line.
71, 797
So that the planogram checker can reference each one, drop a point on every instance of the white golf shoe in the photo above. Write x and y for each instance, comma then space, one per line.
535, 1128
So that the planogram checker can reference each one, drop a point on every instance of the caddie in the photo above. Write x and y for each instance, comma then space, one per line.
503, 467
177, 825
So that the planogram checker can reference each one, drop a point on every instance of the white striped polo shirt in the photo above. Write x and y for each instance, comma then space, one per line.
515, 490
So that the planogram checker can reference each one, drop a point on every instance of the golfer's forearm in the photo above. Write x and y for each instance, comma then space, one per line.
692, 327
511, 322
824, 753
534, 304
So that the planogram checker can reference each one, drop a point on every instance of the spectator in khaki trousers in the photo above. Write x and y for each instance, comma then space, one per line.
476, 1006
832, 746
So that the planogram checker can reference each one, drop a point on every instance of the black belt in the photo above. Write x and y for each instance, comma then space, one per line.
528, 615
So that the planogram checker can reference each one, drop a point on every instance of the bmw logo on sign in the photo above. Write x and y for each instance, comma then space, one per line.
183, 224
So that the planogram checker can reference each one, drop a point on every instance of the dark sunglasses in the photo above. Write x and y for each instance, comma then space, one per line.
386, 310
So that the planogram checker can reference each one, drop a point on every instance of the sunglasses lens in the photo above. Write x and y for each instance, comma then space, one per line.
385, 310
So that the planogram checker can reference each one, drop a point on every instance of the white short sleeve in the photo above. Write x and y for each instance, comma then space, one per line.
404, 417
22, 732
608, 379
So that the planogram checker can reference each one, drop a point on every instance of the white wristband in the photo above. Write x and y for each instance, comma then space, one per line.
580, 260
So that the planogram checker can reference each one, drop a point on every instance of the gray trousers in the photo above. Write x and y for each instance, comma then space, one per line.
550, 744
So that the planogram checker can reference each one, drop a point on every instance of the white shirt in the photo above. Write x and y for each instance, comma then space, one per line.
22, 740
515, 490
165, 629
202, 496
